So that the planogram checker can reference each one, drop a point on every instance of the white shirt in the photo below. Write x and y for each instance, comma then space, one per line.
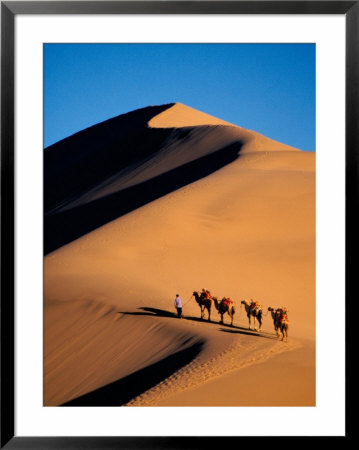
178, 302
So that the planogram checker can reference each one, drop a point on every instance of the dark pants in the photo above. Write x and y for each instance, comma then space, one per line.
179, 312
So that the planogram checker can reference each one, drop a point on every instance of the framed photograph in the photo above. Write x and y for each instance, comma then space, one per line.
179, 185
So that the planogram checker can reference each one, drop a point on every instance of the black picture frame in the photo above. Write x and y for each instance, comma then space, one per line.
9, 9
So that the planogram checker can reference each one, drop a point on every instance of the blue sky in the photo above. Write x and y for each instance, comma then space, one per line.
269, 88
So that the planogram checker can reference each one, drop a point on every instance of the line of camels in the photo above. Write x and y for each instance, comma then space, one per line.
253, 310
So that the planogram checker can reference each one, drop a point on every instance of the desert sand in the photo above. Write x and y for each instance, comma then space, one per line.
168, 200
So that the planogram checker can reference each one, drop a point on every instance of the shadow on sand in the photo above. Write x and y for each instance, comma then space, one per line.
148, 311
244, 331
64, 227
122, 391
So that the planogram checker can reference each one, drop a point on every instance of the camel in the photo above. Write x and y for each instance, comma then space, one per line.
275, 319
255, 312
280, 321
225, 307
284, 326
283, 322
204, 303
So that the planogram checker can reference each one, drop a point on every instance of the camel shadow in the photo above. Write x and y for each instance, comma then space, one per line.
149, 311
245, 332
236, 329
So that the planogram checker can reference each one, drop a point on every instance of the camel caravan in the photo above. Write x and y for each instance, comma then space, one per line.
253, 310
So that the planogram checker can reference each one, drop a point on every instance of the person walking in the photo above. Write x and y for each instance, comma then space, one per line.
178, 305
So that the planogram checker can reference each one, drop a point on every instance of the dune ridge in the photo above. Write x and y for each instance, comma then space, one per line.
179, 115
244, 227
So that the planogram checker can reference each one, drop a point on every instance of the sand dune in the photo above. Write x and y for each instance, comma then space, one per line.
164, 200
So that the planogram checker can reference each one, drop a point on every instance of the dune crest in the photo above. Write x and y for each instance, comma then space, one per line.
180, 115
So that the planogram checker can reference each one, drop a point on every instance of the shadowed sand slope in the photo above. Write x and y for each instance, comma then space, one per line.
244, 228
112, 168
